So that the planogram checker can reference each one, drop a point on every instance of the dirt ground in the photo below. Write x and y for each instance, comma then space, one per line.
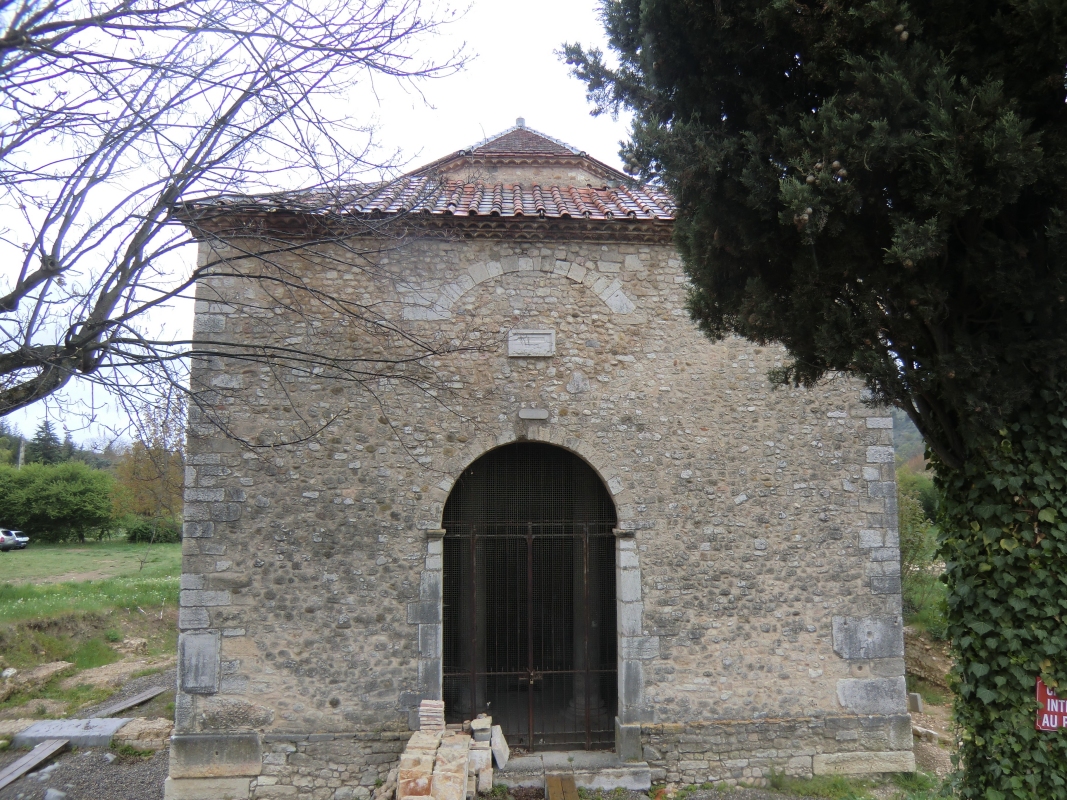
929, 661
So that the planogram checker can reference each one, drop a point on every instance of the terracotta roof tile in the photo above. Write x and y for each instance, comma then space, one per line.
425, 191
525, 141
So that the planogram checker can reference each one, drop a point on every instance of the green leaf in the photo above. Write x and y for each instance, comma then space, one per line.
1047, 515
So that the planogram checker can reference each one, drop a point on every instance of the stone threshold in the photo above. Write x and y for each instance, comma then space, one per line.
590, 770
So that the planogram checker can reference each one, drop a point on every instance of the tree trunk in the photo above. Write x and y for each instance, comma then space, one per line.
1004, 540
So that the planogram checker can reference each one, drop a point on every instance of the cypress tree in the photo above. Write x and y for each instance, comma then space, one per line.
880, 186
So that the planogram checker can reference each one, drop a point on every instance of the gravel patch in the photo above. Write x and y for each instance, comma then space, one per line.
90, 774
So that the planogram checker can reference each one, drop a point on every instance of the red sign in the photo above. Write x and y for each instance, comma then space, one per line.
1052, 714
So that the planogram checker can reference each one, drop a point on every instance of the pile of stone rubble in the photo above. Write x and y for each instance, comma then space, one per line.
445, 764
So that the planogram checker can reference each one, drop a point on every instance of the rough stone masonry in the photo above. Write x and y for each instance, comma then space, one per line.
757, 589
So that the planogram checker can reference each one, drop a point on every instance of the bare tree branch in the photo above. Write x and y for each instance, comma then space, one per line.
117, 118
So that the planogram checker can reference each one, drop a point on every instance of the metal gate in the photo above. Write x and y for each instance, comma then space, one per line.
529, 599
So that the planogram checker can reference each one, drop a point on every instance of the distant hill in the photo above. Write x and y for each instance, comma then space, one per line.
907, 442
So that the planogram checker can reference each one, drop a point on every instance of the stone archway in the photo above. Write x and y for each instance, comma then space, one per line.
528, 590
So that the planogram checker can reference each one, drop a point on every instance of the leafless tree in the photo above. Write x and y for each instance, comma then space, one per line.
124, 123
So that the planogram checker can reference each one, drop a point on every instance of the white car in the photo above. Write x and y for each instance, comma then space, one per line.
22, 539
8, 541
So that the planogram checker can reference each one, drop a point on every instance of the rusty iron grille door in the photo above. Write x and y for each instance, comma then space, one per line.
529, 599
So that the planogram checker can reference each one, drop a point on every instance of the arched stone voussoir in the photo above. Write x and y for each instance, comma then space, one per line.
601, 463
436, 303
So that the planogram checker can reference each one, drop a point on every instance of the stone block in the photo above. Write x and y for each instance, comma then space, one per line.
198, 662
880, 455
192, 618
883, 696
427, 612
863, 763
639, 647
627, 741
206, 788
480, 757
499, 745
915, 703
868, 637
885, 585
203, 597
485, 780
634, 777
223, 755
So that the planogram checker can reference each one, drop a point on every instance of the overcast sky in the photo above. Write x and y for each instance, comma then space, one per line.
513, 72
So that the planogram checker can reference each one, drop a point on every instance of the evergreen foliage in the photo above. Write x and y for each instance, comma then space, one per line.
45, 447
880, 186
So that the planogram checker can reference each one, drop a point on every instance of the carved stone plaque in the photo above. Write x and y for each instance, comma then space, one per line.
531, 344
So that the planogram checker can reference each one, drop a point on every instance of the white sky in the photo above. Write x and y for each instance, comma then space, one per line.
513, 72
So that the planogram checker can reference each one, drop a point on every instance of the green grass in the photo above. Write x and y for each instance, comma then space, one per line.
30, 588
913, 782
825, 787
76, 696
925, 605
71, 562
93, 653
931, 695
33, 602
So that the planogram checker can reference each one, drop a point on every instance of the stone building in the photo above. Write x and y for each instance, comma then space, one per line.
600, 527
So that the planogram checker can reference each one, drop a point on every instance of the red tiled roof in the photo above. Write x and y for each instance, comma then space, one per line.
427, 191
424, 194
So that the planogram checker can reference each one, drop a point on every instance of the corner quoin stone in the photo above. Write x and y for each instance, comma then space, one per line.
199, 755
884, 696
868, 637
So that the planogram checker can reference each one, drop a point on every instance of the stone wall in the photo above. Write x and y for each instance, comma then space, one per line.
758, 570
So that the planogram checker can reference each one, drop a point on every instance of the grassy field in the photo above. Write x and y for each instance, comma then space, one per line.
48, 581
80, 562
77, 603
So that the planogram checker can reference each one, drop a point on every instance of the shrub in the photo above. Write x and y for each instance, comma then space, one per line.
54, 503
142, 530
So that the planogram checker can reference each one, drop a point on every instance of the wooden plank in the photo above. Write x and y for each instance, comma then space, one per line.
38, 755
553, 788
570, 791
130, 702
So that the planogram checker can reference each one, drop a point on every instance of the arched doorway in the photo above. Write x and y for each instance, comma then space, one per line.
529, 598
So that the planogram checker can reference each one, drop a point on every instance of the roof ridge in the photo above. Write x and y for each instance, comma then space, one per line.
520, 125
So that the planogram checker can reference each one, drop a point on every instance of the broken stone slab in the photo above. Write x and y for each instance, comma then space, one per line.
925, 734
455, 741
424, 741
482, 729
80, 732
499, 746
449, 786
